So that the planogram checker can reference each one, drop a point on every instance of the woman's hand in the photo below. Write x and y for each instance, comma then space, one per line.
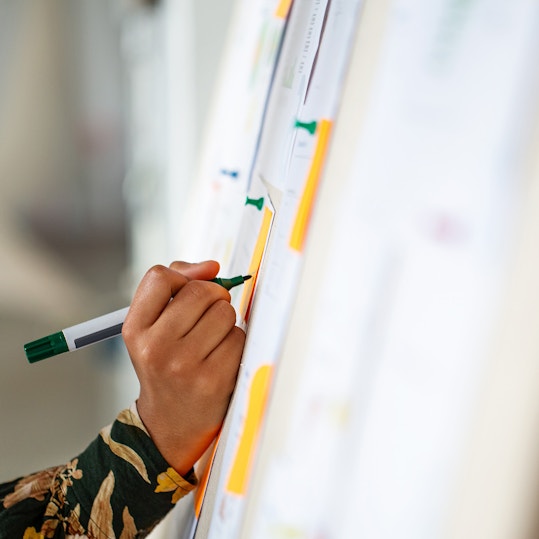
181, 336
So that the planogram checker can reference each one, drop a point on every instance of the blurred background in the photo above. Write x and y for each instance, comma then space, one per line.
89, 139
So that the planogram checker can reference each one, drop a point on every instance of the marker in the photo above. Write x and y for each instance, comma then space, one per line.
95, 330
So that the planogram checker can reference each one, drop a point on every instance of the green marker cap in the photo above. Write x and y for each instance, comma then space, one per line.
45, 347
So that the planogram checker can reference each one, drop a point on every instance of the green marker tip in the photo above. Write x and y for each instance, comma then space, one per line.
232, 282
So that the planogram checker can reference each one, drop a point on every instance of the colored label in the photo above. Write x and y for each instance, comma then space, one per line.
283, 9
254, 266
303, 216
243, 461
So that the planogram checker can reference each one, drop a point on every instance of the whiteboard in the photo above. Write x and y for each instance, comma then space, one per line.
382, 370
377, 202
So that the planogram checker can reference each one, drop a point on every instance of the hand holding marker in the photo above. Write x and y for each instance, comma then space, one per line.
95, 330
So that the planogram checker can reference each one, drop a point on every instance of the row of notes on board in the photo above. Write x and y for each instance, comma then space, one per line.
426, 208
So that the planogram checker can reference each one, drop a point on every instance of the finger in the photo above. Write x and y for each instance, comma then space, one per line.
203, 271
210, 330
188, 306
153, 295
224, 361
218, 374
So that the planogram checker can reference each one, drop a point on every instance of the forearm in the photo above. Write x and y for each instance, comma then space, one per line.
119, 485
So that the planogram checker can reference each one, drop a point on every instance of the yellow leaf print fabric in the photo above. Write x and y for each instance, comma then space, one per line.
125, 452
120, 487
30, 533
172, 481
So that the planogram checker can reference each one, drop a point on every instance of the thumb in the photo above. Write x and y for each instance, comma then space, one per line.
203, 271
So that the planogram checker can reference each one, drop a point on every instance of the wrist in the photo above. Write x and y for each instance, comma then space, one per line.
176, 445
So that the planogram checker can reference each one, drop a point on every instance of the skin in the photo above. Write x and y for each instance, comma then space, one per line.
186, 349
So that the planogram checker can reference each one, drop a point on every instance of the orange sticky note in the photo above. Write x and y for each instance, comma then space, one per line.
283, 8
254, 265
303, 215
203, 484
243, 460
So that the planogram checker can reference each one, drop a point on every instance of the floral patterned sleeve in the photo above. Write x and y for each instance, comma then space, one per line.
119, 487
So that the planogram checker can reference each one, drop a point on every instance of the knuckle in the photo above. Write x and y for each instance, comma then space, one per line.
225, 311
178, 370
179, 266
149, 353
157, 272
239, 336
197, 289
128, 334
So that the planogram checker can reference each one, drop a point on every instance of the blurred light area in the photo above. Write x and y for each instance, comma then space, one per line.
99, 128
63, 221
62, 151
